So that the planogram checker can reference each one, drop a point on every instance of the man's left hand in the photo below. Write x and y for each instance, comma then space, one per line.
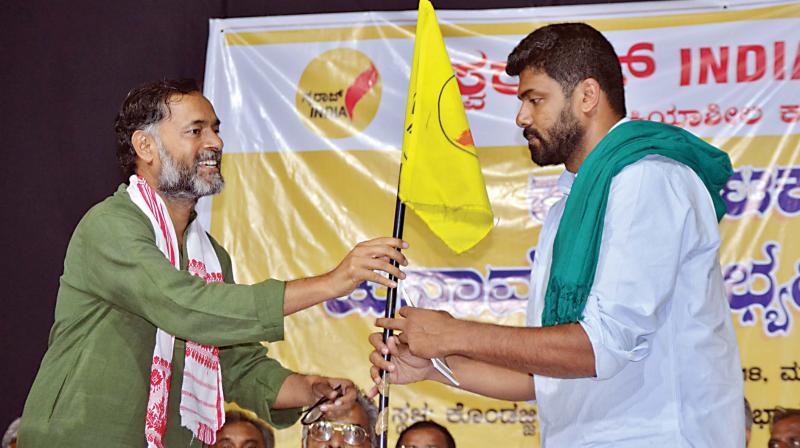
428, 333
340, 401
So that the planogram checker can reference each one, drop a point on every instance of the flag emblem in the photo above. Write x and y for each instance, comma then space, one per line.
440, 177
338, 93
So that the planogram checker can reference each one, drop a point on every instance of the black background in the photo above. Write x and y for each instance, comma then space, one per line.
66, 67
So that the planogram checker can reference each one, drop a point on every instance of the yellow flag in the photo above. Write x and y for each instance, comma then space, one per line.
441, 177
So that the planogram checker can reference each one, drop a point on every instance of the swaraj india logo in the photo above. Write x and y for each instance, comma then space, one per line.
339, 93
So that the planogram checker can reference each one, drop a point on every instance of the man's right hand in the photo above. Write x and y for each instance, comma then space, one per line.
404, 367
364, 260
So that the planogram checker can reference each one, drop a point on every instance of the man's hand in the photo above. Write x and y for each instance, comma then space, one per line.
359, 265
404, 367
427, 333
299, 391
340, 401
362, 262
424, 330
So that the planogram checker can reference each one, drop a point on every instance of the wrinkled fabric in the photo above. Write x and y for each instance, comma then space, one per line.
117, 288
577, 240
658, 319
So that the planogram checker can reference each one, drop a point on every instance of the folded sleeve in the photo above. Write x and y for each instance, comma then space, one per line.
125, 268
643, 240
252, 380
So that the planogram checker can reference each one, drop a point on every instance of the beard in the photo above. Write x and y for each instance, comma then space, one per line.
564, 139
182, 181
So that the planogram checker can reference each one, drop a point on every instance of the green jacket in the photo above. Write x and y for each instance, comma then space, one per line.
92, 386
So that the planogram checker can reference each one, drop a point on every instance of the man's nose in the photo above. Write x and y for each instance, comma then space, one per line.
214, 142
524, 117
336, 442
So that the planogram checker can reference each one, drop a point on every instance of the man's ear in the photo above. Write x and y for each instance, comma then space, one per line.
144, 144
589, 94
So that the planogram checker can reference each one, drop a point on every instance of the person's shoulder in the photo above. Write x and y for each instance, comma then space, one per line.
224, 258
656, 182
116, 206
654, 170
218, 248
657, 165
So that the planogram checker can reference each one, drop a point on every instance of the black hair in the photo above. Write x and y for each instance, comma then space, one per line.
570, 53
144, 106
430, 424
266, 432
784, 413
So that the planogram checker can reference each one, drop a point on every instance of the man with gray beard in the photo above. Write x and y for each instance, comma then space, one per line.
142, 280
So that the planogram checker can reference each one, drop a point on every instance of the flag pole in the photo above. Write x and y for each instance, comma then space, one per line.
391, 307
426, 147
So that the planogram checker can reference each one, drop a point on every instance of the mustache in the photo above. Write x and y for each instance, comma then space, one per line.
209, 155
528, 133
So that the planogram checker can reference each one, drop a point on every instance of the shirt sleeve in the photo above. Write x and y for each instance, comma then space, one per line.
252, 380
124, 267
645, 230
250, 377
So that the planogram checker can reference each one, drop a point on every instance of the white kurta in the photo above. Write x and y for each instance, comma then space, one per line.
667, 361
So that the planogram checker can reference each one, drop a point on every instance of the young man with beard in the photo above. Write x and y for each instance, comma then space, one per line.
142, 280
629, 340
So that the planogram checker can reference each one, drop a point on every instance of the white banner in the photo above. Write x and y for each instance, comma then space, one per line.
718, 79
312, 111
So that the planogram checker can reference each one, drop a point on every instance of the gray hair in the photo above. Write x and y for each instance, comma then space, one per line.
372, 416
11, 433
748, 415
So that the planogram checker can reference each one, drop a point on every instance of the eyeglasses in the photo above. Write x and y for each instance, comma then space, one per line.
322, 431
314, 413
792, 443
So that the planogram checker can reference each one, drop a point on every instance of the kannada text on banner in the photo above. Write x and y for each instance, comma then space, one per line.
310, 172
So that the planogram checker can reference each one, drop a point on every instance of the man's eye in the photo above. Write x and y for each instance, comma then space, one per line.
194, 131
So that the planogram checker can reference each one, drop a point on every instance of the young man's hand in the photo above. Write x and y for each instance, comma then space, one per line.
403, 368
426, 333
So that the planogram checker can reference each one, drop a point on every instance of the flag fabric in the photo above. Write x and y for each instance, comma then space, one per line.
441, 177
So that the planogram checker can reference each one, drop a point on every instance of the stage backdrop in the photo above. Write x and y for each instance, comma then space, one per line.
312, 114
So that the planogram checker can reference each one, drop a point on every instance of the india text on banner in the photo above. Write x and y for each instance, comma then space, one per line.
307, 176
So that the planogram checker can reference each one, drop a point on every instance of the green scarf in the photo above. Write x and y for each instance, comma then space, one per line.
577, 243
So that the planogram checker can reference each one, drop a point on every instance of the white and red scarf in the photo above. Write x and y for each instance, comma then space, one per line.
201, 406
